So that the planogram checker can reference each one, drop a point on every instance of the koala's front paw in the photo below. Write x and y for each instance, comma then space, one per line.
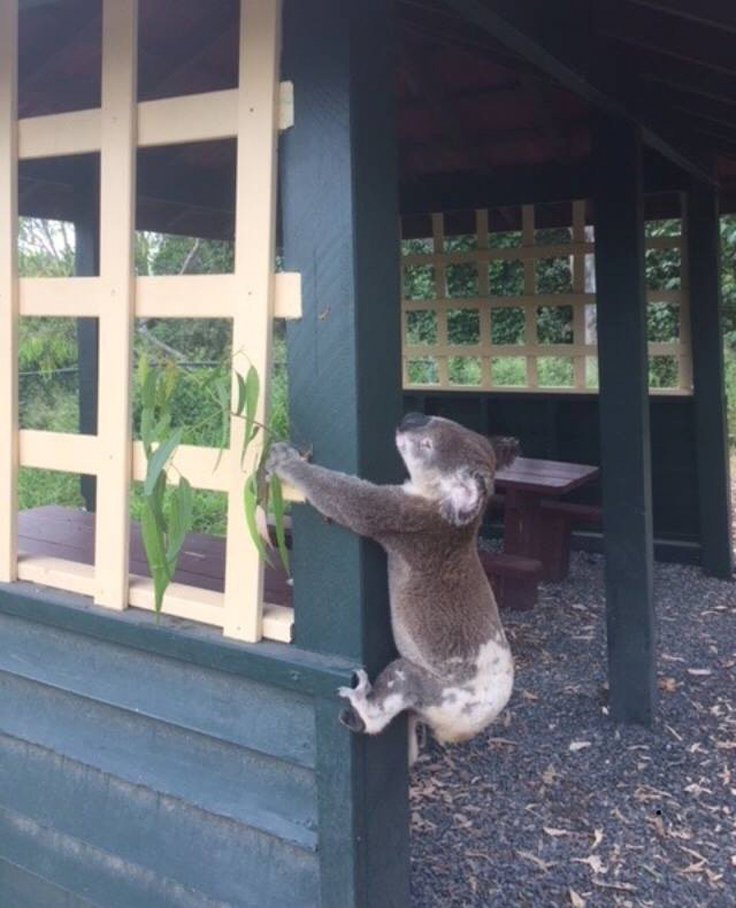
279, 457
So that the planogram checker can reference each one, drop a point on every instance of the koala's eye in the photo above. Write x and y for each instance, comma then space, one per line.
426, 443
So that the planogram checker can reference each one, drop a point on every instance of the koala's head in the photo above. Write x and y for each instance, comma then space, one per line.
447, 463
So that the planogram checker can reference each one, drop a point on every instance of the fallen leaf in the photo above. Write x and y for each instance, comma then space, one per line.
576, 900
550, 830
579, 745
693, 868
594, 862
699, 671
621, 887
597, 837
668, 685
538, 862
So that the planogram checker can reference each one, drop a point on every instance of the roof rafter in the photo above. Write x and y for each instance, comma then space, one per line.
720, 14
531, 48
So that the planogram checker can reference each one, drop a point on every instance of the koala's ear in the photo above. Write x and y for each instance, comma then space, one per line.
464, 497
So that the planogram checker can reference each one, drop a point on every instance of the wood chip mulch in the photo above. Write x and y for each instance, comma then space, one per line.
555, 805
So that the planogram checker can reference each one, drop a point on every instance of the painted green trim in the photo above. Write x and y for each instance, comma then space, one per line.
704, 270
340, 224
279, 664
377, 813
624, 420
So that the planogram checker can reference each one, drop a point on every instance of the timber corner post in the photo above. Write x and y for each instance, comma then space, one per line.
339, 200
704, 268
624, 419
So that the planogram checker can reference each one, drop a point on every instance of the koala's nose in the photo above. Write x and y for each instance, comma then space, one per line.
413, 421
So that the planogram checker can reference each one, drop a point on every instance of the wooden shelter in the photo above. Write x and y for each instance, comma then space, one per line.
198, 760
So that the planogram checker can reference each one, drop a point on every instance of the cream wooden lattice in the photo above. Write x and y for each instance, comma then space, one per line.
437, 356
251, 296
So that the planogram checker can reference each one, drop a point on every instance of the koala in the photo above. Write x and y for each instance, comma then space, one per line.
455, 671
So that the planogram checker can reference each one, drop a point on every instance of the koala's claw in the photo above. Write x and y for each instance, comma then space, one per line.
350, 719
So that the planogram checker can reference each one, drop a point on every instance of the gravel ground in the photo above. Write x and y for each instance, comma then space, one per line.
555, 805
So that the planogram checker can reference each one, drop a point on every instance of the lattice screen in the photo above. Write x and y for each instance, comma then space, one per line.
251, 296
511, 305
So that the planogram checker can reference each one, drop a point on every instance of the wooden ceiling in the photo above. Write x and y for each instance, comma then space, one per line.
472, 109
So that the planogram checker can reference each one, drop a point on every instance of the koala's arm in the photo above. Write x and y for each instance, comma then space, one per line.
364, 508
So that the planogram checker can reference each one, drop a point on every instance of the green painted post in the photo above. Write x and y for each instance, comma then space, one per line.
340, 228
624, 419
704, 276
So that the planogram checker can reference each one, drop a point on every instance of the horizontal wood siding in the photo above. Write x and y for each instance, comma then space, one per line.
22, 889
131, 778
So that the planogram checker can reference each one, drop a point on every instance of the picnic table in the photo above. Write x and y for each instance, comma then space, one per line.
536, 523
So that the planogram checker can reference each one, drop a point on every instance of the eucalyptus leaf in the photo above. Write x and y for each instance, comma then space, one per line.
179, 521
147, 433
250, 503
242, 393
252, 390
153, 544
277, 505
148, 389
159, 459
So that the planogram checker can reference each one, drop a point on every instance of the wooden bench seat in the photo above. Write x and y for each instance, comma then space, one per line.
556, 521
514, 578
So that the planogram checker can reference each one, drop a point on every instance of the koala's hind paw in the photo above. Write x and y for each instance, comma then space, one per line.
350, 719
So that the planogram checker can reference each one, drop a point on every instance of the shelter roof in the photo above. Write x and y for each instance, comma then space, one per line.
482, 109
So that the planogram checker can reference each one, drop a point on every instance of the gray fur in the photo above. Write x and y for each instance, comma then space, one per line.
444, 616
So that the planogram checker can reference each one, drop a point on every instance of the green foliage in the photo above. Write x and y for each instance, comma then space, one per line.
663, 269
555, 372
259, 493
166, 514
45, 248
168, 254
421, 327
47, 344
464, 370
507, 326
463, 326
554, 275
731, 392
509, 371
166, 511
728, 278
41, 487
554, 324
506, 278
663, 323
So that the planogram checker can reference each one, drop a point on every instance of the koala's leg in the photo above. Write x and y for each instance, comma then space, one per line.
372, 707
